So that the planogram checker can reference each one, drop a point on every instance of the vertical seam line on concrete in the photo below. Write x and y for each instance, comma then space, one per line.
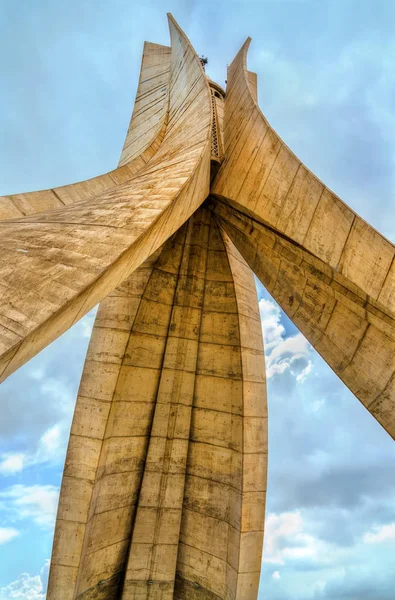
194, 382
339, 264
313, 215
387, 276
356, 351
57, 196
242, 415
108, 418
149, 434
164, 472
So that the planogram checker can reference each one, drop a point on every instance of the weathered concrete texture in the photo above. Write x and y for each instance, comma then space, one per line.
353, 334
84, 250
331, 272
166, 468
163, 491
149, 117
267, 181
145, 134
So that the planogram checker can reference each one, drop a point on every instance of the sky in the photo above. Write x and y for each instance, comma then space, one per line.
325, 68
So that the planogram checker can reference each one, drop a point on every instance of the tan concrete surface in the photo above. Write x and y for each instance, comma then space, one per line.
164, 484
83, 251
145, 133
331, 272
166, 467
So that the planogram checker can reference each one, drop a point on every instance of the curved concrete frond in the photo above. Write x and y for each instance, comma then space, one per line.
331, 272
351, 332
146, 132
166, 466
150, 108
262, 175
57, 265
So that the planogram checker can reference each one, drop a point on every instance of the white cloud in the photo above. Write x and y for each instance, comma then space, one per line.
279, 527
276, 575
51, 440
26, 587
287, 539
317, 405
7, 534
303, 374
12, 463
36, 502
385, 533
57, 392
272, 329
51, 447
283, 353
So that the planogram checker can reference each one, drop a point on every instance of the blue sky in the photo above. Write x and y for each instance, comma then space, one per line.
69, 73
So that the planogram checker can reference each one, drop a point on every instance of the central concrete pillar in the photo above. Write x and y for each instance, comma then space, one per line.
163, 492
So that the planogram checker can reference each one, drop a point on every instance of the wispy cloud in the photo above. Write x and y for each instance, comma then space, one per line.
26, 586
35, 502
7, 534
283, 354
50, 449
43, 415
379, 535
276, 575
11, 463
287, 539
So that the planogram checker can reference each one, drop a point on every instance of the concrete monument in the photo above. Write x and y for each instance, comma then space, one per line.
163, 492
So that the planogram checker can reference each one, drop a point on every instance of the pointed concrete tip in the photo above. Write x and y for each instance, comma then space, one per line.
171, 21
246, 44
242, 53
